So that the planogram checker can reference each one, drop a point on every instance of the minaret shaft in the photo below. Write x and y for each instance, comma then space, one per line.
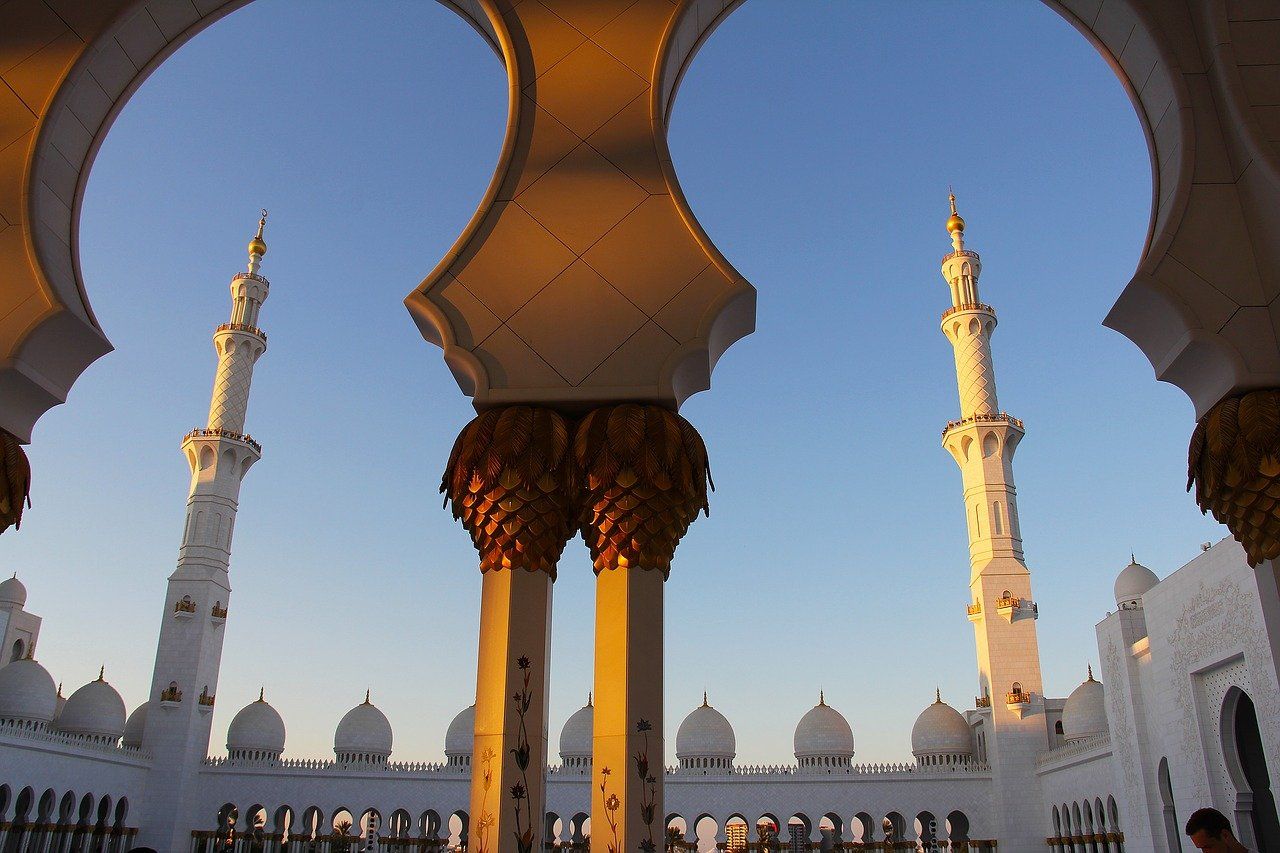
184, 682
983, 442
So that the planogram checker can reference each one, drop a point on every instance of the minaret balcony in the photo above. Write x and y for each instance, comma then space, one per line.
217, 432
1013, 608
984, 418
242, 327
1019, 702
252, 275
975, 611
982, 702
969, 306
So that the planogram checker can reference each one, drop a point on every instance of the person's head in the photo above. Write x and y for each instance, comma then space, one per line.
1209, 829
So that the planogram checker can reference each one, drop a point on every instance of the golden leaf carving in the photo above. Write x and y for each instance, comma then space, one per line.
15, 481
1234, 464
644, 477
510, 481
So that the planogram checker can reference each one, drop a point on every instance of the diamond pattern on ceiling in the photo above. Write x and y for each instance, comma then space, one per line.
604, 320
513, 262
581, 197
587, 88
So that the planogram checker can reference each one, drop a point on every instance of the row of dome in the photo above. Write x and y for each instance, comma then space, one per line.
705, 739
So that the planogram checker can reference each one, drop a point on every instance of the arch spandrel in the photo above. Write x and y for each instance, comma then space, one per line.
584, 276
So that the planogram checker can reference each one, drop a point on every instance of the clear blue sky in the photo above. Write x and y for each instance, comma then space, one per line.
815, 141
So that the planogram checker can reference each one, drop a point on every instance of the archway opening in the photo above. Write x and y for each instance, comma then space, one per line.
1247, 765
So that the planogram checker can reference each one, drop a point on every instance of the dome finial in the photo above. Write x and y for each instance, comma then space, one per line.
257, 246
262, 690
704, 698
101, 671
955, 224
366, 698
937, 695
822, 697
590, 696
1090, 667
59, 689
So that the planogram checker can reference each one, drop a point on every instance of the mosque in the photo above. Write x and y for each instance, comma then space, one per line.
1186, 711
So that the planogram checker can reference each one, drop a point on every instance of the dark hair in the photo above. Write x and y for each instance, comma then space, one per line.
1211, 821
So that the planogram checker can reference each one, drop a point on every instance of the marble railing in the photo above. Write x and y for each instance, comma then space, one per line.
751, 770
1070, 750
74, 742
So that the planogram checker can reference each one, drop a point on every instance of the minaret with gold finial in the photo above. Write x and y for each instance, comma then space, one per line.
1014, 729
185, 680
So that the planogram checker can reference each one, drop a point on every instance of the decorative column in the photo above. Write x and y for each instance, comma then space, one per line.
510, 482
645, 480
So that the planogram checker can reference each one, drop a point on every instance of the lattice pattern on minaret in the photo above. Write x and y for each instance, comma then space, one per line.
975, 372
231, 389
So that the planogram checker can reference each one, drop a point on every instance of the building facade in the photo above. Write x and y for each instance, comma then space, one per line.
1189, 714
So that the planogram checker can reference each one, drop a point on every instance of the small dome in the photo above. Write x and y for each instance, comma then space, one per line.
364, 731
135, 726
13, 592
1133, 582
940, 730
95, 710
1085, 713
823, 733
705, 733
257, 727
27, 693
578, 733
461, 733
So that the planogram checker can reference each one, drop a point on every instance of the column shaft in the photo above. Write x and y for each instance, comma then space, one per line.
509, 757
626, 794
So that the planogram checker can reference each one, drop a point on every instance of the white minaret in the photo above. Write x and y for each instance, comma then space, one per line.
1002, 610
189, 652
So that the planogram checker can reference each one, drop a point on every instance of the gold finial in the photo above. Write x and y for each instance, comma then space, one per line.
262, 692
589, 698
101, 671
822, 697
257, 246
704, 698
937, 693
31, 652
1091, 672
59, 689
366, 698
955, 222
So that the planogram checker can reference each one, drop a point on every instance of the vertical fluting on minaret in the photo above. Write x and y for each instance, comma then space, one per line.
983, 442
188, 655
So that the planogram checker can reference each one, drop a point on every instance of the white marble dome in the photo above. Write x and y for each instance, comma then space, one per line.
256, 731
823, 737
95, 711
1133, 582
577, 735
363, 735
12, 592
28, 697
941, 735
705, 740
135, 726
460, 736
1085, 714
